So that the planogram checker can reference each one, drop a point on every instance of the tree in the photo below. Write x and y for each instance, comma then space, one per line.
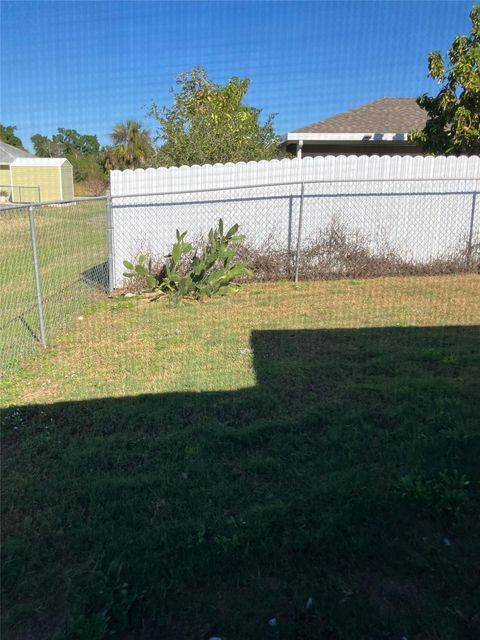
82, 150
7, 134
46, 148
132, 147
453, 124
76, 144
210, 123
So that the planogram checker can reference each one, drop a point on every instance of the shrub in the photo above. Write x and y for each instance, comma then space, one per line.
212, 272
337, 252
91, 186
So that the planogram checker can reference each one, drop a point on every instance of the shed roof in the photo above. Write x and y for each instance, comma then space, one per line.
39, 162
385, 115
8, 153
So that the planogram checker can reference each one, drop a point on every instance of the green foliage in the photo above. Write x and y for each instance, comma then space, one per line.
211, 273
7, 134
453, 124
106, 600
444, 493
76, 144
132, 147
210, 123
142, 270
45, 147
82, 150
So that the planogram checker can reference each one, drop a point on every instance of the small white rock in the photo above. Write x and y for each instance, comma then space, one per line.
129, 295
80, 318
273, 622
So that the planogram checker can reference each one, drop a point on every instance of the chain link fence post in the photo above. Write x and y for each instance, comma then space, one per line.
110, 247
470, 233
290, 220
299, 233
36, 269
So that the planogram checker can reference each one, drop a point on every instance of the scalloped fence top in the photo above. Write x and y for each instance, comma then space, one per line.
164, 180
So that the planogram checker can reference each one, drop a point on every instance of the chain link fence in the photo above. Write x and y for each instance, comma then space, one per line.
315, 230
58, 257
53, 262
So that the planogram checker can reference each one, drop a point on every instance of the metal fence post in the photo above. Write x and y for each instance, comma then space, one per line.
36, 269
299, 233
110, 249
470, 234
290, 219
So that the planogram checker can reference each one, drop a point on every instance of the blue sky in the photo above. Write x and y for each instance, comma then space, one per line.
88, 65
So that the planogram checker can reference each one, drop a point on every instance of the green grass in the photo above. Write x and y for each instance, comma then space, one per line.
196, 471
70, 240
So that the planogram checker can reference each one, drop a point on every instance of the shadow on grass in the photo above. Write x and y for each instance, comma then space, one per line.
186, 515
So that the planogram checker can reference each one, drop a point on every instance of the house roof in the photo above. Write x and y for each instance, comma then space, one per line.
8, 153
32, 161
385, 115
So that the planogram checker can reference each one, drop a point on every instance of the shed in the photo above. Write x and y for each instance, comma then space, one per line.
9, 153
52, 176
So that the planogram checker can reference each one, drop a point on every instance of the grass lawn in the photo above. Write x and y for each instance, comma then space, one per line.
185, 472
71, 240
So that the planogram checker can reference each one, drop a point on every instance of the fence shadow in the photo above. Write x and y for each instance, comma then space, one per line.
97, 276
218, 510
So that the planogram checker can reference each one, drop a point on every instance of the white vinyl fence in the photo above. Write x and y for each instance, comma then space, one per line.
422, 209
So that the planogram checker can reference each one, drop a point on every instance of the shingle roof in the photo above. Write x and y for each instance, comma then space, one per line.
8, 153
385, 115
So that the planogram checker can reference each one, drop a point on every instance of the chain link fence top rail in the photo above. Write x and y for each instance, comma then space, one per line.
315, 229
53, 262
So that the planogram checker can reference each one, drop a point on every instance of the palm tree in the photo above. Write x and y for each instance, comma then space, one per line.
132, 146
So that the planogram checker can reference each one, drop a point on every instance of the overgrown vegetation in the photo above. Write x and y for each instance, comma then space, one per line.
188, 274
334, 252
198, 471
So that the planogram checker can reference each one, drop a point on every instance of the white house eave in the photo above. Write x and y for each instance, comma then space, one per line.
347, 137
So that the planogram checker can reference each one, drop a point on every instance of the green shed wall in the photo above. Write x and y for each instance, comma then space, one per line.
47, 178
